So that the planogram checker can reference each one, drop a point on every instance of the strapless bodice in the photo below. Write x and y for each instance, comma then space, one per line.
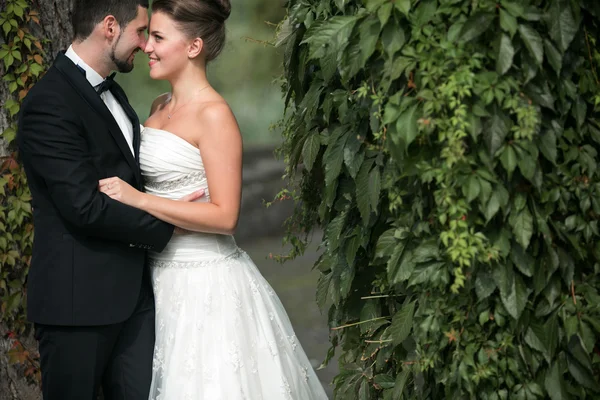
172, 168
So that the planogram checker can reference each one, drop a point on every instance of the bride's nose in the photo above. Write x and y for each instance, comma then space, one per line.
148, 48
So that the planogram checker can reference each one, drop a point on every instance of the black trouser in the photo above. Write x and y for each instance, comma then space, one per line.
76, 361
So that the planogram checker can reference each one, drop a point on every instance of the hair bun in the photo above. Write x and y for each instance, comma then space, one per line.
225, 8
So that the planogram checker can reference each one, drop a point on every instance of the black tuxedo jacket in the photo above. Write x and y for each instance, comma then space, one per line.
89, 251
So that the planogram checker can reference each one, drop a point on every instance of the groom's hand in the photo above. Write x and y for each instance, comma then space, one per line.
190, 197
193, 196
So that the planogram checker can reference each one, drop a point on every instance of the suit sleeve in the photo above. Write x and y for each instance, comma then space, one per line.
54, 150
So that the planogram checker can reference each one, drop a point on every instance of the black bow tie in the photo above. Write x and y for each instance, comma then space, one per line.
107, 84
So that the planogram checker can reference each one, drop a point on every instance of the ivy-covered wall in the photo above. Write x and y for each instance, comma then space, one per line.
449, 151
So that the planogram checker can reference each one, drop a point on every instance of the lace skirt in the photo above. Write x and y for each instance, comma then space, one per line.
223, 334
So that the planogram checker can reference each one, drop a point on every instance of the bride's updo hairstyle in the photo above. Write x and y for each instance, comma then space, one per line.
199, 18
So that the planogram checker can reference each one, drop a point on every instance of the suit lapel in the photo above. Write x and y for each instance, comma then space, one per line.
121, 97
81, 84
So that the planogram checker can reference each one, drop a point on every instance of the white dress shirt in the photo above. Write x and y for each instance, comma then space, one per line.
111, 103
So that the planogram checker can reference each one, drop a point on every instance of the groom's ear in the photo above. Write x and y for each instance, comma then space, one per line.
195, 48
110, 27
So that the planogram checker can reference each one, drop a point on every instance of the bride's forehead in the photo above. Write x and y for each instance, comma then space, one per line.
161, 18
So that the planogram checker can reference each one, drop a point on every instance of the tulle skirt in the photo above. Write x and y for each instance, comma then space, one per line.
223, 334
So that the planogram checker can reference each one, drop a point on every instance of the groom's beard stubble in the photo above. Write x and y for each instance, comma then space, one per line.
123, 66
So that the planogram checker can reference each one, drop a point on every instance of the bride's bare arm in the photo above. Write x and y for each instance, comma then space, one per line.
220, 145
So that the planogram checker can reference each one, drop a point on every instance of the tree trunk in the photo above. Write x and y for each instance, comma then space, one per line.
55, 25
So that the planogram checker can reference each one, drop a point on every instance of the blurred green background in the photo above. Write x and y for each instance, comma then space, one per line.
245, 73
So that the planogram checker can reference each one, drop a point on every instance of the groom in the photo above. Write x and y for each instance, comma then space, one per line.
89, 292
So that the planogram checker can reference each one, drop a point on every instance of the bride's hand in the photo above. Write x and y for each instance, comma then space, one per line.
120, 190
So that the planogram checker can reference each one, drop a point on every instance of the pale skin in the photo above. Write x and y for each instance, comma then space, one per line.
200, 116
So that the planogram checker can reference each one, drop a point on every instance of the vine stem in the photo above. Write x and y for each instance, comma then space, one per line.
379, 297
357, 323
379, 341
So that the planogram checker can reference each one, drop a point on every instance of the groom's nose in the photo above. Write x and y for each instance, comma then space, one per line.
142, 43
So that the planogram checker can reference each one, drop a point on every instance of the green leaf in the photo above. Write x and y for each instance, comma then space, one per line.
310, 150
403, 6
400, 65
323, 289
310, 102
392, 38
476, 25
567, 266
363, 198
554, 56
579, 364
352, 246
554, 383
353, 157
369, 35
384, 380
506, 53
334, 230
527, 163
402, 323
407, 126
509, 159
334, 157
515, 299
533, 42
514, 8
352, 62
496, 130
384, 13
373, 5
499, 198
508, 23
562, 26
6, 27
425, 12
522, 260
454, 31
401, 381
484, 285
547, 145
580, 111
535, 338
472, 188
36, 69
522, 227
364, 390
386, 244
326, 36
393, 265
407, 265
375, 188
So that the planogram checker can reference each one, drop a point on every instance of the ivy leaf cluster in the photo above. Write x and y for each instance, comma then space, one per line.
448, 151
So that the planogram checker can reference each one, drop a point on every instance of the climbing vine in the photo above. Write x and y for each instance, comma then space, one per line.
22, 56
448, 150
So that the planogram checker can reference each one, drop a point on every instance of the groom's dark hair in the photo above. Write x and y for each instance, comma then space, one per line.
88, 13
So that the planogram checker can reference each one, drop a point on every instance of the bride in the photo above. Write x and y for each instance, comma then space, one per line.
221, 331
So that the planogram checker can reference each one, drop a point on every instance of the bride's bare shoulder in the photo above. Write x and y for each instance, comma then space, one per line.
159, 102
215, 119
216, 111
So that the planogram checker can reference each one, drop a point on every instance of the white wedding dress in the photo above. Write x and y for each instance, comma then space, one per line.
221, 331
